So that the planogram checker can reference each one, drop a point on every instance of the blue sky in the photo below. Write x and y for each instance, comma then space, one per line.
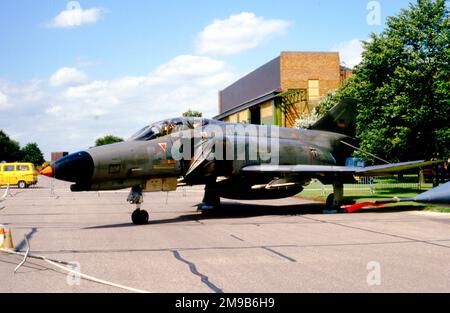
122, 64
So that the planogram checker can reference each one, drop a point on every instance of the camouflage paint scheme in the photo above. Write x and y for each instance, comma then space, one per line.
319, 152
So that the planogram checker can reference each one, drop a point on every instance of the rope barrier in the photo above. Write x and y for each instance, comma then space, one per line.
58, 263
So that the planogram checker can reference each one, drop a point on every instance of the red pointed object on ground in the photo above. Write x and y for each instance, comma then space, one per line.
356, 207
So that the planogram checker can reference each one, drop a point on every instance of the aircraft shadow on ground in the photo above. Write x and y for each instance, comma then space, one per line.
239, 211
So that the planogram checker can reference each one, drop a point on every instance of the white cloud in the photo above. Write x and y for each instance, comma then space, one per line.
68, 76
70, 118
186, 67
184, 82
4, 103
75, 16
237, 33
54, 110
350, 52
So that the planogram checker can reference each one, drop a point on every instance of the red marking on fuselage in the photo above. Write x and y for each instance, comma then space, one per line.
163, 146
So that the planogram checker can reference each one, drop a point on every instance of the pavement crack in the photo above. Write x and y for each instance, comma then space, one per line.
280, 254
236, 237
193, 269
227, 248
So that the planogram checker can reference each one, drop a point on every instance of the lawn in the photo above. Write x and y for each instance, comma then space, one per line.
362, 193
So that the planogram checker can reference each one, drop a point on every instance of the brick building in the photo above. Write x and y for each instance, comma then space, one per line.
281, 90
58, 155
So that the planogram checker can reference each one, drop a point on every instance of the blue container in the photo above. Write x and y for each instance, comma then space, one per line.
355, 162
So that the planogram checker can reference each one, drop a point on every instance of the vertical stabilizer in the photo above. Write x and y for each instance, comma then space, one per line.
340, 119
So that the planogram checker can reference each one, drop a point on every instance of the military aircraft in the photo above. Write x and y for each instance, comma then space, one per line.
233, 161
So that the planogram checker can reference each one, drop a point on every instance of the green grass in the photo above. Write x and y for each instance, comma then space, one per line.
359, 193
436, 209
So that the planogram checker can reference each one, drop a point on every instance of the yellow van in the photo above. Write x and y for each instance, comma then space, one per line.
21, 174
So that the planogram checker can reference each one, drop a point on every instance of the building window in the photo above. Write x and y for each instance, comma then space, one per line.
243, 117
313, 90
233, 118
267, 113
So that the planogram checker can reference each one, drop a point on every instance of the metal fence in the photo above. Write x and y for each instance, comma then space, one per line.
410, 182
378, 184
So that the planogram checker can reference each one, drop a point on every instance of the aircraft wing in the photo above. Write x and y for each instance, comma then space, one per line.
330, 169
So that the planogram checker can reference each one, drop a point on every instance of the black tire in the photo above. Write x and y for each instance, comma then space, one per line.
135, 217
140, 217
330, 202
22, 185
330, 205
144, 217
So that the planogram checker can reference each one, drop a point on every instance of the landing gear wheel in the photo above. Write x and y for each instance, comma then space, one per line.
211, 200
207, 207
331, 207
330, 202
140, 217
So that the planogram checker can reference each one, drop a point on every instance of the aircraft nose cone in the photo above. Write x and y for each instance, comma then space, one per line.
77, 168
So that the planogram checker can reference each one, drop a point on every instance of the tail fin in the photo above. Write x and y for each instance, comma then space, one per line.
340, 119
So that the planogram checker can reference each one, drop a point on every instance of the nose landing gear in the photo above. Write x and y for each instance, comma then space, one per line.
139, 217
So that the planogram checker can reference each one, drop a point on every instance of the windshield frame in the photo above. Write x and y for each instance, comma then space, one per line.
163, 128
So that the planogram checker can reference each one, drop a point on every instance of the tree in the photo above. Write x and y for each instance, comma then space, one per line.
306, 120
31, 153
403, 86
107, 140
191, 113
9, 149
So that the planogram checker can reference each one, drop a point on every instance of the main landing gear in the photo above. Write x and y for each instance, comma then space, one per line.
211, 200
336, 199
139, 217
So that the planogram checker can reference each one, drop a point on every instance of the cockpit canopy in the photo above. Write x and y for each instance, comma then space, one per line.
167, 127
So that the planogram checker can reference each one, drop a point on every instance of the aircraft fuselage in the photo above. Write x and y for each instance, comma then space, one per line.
175, 155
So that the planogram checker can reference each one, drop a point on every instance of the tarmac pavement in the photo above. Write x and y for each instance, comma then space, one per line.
260, 246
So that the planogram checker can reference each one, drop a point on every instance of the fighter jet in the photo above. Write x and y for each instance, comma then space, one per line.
233, 161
